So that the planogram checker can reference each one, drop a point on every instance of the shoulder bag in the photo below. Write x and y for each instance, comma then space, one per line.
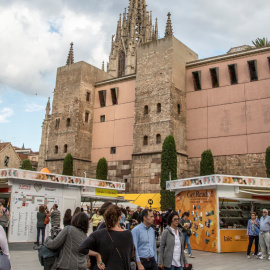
117, 251
4, 261
47, 219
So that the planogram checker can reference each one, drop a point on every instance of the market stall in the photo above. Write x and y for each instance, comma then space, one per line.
27, 190
220, 207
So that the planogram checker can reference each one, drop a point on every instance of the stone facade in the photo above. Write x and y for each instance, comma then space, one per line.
160, 85
7, 150
246, 165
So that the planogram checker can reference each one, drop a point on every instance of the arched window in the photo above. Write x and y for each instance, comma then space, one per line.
56, 149
65, 148
158, 139
146, 111
121, 64
179, 108
158, 108
145, 140
68, 122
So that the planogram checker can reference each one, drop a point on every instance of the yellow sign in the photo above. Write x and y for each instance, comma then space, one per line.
233, 240
106, 192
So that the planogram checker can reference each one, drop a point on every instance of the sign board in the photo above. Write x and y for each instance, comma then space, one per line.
106, 192
202, 208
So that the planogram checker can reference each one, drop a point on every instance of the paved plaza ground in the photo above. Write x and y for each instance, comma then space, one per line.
24, 257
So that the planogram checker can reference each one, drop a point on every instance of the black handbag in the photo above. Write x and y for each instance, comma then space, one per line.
4, 261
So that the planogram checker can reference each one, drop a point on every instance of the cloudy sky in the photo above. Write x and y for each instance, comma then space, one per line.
35, 38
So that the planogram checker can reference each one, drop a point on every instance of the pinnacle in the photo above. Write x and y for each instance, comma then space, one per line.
70, 59
168, 31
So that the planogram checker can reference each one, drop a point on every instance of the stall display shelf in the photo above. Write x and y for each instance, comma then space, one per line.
230, 210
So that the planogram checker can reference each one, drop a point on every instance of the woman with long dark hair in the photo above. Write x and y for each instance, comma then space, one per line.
113, 246
67, 218
77, 210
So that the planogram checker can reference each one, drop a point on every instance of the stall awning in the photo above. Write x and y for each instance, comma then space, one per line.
142, 199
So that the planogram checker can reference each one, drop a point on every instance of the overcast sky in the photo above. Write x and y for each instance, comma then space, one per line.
35, 38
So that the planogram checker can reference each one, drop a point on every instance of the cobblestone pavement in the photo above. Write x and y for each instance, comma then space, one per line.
24, 257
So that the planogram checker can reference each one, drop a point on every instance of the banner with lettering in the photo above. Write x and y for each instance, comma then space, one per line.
202, 208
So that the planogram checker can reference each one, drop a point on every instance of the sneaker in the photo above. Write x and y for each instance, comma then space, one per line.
185, 251
191, 256
248, 257
262, 257
259, 254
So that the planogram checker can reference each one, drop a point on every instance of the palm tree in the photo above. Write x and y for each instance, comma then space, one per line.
261, 42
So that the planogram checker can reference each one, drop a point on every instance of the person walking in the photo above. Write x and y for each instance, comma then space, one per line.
55, 216
171, 250
129, 218
136, 216
264, 237
40, 224
96, 218
185, 223
145, 242
4, 215
157, 223
113, 246
67, 218
69, 240
5, 261
123, 218
253, 231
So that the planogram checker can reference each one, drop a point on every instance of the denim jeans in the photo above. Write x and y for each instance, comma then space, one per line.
42, 229
174, 268
151, 265
187, 240
128, 226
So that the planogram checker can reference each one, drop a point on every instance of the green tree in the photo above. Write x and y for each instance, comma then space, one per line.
168, 166
267, 161
68, 165
207, 163
261, 42
102, 169
26, 165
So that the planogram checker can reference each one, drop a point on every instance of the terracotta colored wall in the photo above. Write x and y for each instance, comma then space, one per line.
230, 119
117, 130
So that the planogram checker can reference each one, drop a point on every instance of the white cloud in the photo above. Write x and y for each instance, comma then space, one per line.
5, 113
32, 107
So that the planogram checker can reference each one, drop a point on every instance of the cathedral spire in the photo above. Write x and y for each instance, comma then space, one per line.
48, 108
102, 65
168, 31
156, 29
70, 59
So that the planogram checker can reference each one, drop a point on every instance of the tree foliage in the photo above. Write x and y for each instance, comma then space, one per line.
207, 163
102, 169
168, 165
68, 165
267, 161
261, 42
26, 165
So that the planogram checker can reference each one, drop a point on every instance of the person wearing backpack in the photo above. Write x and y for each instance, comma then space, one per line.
4, 215
68, 241
41, 215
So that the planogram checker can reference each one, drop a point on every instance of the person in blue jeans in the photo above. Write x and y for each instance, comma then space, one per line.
253, 231
171, 250
40, 224
186, 224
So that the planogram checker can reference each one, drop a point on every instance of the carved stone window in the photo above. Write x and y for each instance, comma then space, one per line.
57, 123
146, 110
158, 108
121, 64
145, 140
253, 70
56, 149
214, 77
68, 122
158, 139
65, 148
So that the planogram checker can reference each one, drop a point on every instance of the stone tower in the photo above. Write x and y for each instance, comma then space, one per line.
160, 108
134, 29
44, 138
69, 128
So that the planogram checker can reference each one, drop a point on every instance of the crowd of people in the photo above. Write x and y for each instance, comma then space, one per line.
123, 240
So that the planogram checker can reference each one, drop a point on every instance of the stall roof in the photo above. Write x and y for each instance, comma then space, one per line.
217, 179
142, 199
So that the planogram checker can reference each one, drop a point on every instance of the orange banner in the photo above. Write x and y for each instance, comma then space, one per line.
234, 240
202, 206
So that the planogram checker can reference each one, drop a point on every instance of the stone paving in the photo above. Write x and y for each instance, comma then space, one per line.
24, 257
